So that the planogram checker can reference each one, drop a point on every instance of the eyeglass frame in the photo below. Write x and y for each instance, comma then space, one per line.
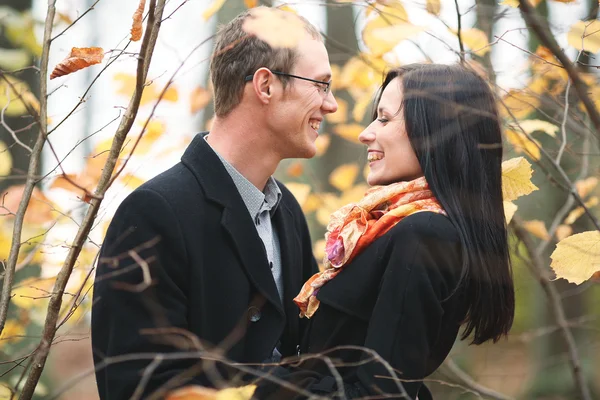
327, 87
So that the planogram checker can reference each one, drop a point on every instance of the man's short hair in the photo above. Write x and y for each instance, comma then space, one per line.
237, 55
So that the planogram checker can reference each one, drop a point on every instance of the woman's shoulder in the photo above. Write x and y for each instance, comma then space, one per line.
425, 224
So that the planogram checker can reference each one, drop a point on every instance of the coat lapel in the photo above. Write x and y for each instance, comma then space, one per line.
219, 187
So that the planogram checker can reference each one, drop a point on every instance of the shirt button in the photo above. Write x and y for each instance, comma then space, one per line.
257, 221
271, 265
254, 314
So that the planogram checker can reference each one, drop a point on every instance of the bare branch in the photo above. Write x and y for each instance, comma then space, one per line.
541, 273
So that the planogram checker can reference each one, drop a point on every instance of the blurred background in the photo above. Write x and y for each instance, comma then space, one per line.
533, 363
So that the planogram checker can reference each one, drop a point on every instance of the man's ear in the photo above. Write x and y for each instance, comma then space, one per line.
262, 83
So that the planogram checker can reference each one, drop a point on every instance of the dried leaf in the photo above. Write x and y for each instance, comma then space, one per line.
312, 203
79, 58
522, 102
535, 125
299, 190
516, 178
64, 18
349, 131
341, 115
433, 7
509, 210
295, 169
343, 177
13, 332
251, 3
475, 39
537, 228
579, 211
585, 186
563, 231
276, 27
6, 160
136, 28
577, 257
199, 98
322, 144
524, 144
212, 9
585, 35
39, 210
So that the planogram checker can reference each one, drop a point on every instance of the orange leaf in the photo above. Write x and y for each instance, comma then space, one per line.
349, 131
322, 144
39, 210
199, 98
251, 3
296, 169
136, 28
563, 231
537, 228
79, 58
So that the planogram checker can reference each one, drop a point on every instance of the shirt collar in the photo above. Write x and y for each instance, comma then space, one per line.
253, 198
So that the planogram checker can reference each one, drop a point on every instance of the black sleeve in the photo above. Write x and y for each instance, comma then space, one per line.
133, 296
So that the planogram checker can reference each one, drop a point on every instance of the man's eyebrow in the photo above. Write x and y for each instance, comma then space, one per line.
324, 77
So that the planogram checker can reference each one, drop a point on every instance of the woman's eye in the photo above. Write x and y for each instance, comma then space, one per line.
382, 120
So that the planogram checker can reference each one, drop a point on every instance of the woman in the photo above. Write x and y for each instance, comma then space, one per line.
424, 252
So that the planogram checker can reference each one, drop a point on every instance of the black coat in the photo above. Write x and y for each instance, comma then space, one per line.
398, 298
209, 276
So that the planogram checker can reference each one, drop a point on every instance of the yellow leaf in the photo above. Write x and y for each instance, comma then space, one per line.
199, 98
516, 178
212, 9
251, 3
131, 181
322, 144
276, 27
563, 231
585, 186
13, 332
13, 59
579, 211
358, 74
319, 249
475, 39
509, 210
577, 257
433, 7
19, 28
510, 3
312, 203
537, 228
196, 392
32, 292
341, 115
343, 177
585, 35
5, 160
299, 190
534, 125
384, 39
524, 144
349, 131
522, 102
360, 107
126, 86
154, 130
17, 95
287, 8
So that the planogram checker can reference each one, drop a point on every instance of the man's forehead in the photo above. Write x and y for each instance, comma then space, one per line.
313, 59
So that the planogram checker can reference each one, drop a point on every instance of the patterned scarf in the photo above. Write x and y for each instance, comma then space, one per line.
355, 226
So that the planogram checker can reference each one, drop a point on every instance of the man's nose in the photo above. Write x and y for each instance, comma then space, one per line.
330, 105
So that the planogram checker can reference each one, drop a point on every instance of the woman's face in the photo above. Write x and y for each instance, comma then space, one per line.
389, 152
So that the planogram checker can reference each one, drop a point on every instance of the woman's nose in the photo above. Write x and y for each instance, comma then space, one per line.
366, 136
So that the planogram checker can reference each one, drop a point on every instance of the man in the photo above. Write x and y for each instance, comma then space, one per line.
209, 254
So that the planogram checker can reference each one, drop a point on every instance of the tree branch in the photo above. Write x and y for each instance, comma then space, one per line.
556, 306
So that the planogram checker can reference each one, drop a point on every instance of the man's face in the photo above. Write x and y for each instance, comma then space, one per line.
297, 115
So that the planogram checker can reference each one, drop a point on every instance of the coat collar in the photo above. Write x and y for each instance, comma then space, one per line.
218, 187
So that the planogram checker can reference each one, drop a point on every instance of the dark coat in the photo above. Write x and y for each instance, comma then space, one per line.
209, 276
398, 298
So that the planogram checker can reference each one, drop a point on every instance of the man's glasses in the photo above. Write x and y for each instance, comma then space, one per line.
324, 87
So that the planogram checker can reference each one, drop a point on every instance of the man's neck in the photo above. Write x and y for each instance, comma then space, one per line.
243, 147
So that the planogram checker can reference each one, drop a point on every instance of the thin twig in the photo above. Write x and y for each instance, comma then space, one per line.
538, 268
74, 22
459, 34
469, 382
535, 22
49, 330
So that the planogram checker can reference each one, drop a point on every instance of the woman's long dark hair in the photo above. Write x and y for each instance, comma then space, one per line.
453, 125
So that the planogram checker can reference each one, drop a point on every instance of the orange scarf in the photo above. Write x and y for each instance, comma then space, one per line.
353, 227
